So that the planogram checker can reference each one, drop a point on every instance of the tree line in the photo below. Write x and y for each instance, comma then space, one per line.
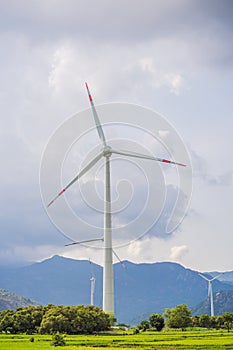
51, 319
89, 319
180, 317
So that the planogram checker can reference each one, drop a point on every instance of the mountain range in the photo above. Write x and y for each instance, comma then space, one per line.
11, 301
140, 289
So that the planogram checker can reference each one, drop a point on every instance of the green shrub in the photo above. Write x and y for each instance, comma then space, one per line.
58, 340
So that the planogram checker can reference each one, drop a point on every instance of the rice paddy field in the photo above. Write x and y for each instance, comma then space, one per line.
166, 340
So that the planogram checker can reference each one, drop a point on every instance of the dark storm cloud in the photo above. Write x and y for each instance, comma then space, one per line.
200, 30
121, 20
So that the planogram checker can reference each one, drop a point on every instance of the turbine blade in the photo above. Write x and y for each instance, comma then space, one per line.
144, 156
205, 278
82, 172
217, 276
85, 241
96, 118
120, 261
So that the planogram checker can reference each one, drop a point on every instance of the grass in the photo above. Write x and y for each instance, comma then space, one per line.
167, 340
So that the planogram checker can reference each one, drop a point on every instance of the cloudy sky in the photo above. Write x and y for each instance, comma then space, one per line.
172, 56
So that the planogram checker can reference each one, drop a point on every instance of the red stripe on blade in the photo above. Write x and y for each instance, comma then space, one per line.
89, 94
170, 162
61, 192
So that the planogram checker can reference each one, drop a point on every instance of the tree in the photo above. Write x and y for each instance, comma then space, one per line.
57, 319
7, 322
178, 317
195, 321
157, 322
228, 320
90, 319
58, 340
74, 320
23, 322
216, 322
144, 325
205, 321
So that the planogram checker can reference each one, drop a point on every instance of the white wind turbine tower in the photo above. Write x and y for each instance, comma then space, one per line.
210, 291
107, 152
92, 279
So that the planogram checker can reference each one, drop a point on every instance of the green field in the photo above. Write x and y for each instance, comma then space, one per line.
167, 340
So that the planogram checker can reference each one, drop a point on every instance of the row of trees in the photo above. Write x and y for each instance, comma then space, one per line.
225, 321
51, 319
89, 319
180, 317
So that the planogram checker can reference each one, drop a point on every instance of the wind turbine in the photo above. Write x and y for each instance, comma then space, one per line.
210, 291
107, 152
92, 279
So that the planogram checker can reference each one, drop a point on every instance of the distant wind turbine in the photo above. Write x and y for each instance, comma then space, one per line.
210, 291
92, 279
107, 152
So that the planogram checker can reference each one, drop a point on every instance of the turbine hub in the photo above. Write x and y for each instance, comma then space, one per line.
107, 151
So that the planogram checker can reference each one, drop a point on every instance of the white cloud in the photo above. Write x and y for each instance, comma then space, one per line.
176, 83
177, 252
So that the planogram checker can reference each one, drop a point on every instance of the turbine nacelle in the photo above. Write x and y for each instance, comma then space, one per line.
107, 151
